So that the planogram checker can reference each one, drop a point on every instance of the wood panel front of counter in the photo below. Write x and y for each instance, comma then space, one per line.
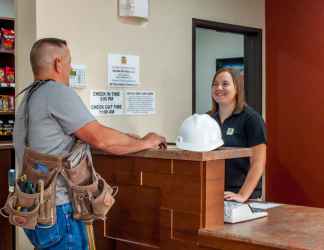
164, 198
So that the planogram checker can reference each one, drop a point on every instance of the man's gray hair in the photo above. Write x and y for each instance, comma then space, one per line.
44, 52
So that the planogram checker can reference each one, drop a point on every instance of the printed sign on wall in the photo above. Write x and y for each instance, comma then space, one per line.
106, 103
140, 102
123, 70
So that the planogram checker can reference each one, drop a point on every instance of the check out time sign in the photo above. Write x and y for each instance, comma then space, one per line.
106, 102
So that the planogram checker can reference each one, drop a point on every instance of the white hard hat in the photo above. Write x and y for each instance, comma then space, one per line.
199, 133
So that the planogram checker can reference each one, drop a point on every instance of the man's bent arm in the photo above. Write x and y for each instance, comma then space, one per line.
113, 141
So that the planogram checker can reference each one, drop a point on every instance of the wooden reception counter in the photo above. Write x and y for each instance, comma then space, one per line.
286, 227
173, 200
164, 197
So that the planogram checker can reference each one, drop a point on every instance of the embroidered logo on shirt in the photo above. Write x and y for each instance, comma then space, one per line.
230, 131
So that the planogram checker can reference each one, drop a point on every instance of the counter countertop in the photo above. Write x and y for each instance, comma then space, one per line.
177, 154
286, 227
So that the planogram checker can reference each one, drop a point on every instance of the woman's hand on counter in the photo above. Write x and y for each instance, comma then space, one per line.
230, 196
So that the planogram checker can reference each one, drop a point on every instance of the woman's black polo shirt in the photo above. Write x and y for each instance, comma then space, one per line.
242, 129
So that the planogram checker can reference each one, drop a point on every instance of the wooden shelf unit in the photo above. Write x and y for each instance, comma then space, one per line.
7, 58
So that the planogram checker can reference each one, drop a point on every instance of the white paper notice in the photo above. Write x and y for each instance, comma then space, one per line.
123, 70
77, 76
140, 102
134, 8
106, 103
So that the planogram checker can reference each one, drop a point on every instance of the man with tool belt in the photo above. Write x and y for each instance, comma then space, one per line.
56, 119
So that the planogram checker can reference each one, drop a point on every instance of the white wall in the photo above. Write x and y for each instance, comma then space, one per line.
25, 35
7, 8
211, 45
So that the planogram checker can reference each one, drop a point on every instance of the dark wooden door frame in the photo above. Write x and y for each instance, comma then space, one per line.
252, 59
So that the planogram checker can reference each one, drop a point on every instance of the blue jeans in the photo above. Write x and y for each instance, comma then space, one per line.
66, 234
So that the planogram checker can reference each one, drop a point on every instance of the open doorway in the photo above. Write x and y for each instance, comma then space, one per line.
216, 45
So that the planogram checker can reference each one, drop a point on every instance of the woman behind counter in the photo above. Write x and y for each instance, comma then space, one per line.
241, 126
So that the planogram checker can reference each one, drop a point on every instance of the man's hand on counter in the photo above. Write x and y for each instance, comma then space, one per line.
115, 142
162, 145
155, 141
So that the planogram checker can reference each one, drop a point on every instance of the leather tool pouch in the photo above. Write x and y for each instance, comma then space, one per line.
81, 174
44, 167
22, 209
27, 210
92, 196
28, 206
38, 166
92, 201
104, 199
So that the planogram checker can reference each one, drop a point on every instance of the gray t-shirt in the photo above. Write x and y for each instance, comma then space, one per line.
55, 113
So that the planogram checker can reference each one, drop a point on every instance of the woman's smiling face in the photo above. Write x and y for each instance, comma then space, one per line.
223, 89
